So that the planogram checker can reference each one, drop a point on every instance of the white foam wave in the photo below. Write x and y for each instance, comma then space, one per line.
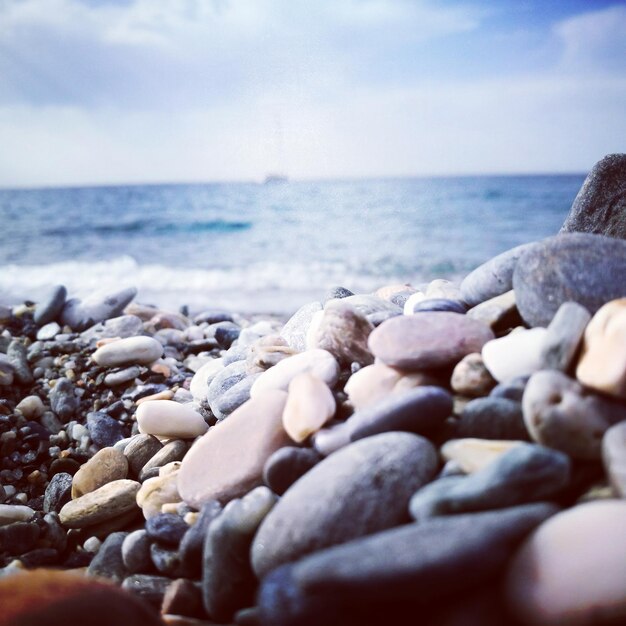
259, 287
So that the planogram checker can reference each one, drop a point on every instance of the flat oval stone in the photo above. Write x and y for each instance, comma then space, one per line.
136, 552
562, 414
373, 579
571, 570
565, 333
172, 451
602, 364
600, 206
310, 404
517, 354
10, 513
167, 418
228, 460
525, 473
579, 267
614, 457
234, 397
48, 331
471, 378
420, 410
139, 450
343, 332
436, 304
105, 466
226, 378
472, 454
31, 407
129, 351
120, 327
320, 363
81, 314
358, 490
427, 340
286, 465
492, 418
105, 503
51, 306
499, 312
493, 277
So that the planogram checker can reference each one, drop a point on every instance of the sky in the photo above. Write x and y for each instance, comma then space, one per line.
149, 91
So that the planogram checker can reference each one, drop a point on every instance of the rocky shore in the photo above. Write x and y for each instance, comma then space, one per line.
434, 454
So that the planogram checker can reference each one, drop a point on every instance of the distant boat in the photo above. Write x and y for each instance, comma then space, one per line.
271, 179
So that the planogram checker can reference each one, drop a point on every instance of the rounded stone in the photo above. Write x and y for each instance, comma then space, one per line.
579, 267
360, 489
10, 513
571, 569
436, 304
167, 418
105, 503
492, 418
310, 404
157, 491
105, 466
286, 465
98, 307
199, 385
562, 414
136, 552
31, 407
427, 340
228, 460
472, 454
104, 430
602, 364
50, 308
128, 351
139, 450
320, 363
471, 378
166, 528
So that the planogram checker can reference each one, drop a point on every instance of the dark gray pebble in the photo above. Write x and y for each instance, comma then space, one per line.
18, 537
336, 293
58, 492
50, 308
511, 390
166, 561
147, 587
286, 465
108, 562
40, 557
212, 317
55, 534
103, 429
166, 528
172, 451
140, 450
192, 543
226, 333
233, 398
492, 418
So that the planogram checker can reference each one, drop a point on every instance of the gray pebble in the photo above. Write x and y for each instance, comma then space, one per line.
172, 451
192, 543
58, 492
147, 587
492, 418
136, 552
16, 354
286, 465
113, 379
63, 400
166, 528
140, 450
50, 307
103, 429
108, 562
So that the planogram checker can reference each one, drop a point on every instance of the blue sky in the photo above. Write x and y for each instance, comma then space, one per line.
97, 92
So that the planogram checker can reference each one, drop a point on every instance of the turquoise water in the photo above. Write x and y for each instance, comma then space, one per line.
268, 247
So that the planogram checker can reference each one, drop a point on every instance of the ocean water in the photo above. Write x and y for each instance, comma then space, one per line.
267, 248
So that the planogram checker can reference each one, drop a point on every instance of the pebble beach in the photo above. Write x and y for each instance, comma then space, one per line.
445, 453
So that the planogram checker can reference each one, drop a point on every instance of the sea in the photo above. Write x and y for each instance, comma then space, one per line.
267, 248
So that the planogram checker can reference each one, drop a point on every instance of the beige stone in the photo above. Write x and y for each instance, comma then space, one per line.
472, 454
310, 404
31, 407
106, 502
158, 491
602, 364
496, 311
389, 291
131, 350
571, 571
166, 418
103, 467
471, 378
318, 362
228, 461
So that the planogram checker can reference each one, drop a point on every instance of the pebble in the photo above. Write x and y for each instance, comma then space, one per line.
147, 587
58, 492
228, 583
600, 205
166, 528
375, 382
48, 331
139, 450
103, 430
499, 313
517, 354
494, 277
136, 552
105, 466
166, 560
525, 473
286, 465
602, 364
108, 562
82, 314
427, 340
310, 404
171, 451
472, 455
199, 385
192, 543
18, 537
578, 267
492, 418
17, 357
31, 407
614, 457
55, 534
93, 544
10, 513
512, 389
228, 460
371, 306
51, 306
158, 491
167, 418
226, 333
343, 332
372, 580
336, 293
183, 597
358, 490
329, 440
564, 336
421, 410
116, 327
320, 363
295, 330
562, 414
434, 304
225, 378
471, 378
114, 379
234, 397
105, 503
571, 569
128, 351
63, 400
